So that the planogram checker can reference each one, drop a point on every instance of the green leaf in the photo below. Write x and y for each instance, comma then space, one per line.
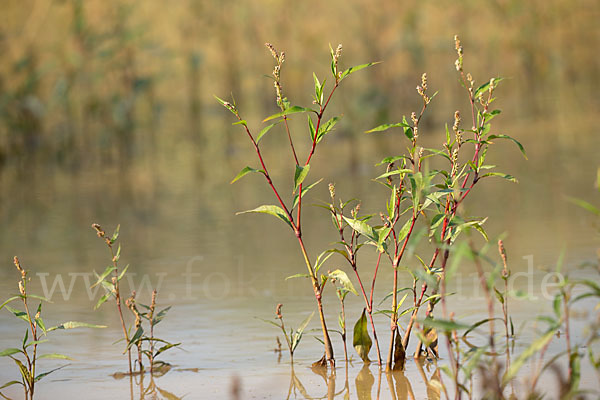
115, 235
55, 356
291, 110
443, 325
510, 138
361, 340
363, 228
264, 131
123, 272
501, 175
272, 210
300, 175
10, 352
161, 314
342, 277
581, 203
42, 375
165, 348
483, 88
326, 128
9, 300
385, 127
556, 303
19, 314
395, 172
7, 384
304, 190
75, 324
351, 70
298, 276
102, 300
134, 339
102, 276
227, 105
245, 171
297, 336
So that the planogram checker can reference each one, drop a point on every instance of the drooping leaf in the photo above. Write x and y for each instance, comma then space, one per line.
361, 340
10, 352
510, 138
246, 170
9, 300
399, 353
7, 384
272, 210
501, 175
18, 313
299, 175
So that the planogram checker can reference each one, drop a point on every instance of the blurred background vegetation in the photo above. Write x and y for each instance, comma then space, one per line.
84, 83
107, 110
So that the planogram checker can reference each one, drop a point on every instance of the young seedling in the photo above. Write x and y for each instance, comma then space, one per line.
293, 338
146, 344
26, 356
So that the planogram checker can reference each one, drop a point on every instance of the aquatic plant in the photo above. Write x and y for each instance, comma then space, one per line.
318, 128
26, 356
139, 338
110, 279
294, 337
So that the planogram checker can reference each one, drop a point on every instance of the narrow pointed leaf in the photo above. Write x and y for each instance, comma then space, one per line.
272, 210
244, 172
291, 110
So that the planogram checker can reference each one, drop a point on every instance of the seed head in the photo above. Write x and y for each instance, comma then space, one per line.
332, 190
19, 268
21, 288
502, 252
413, 118
424, 80
272, 50
338, 51
99, 229
278, 311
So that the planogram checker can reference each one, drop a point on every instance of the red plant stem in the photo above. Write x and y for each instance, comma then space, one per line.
394, 319
287, 128
118, 301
